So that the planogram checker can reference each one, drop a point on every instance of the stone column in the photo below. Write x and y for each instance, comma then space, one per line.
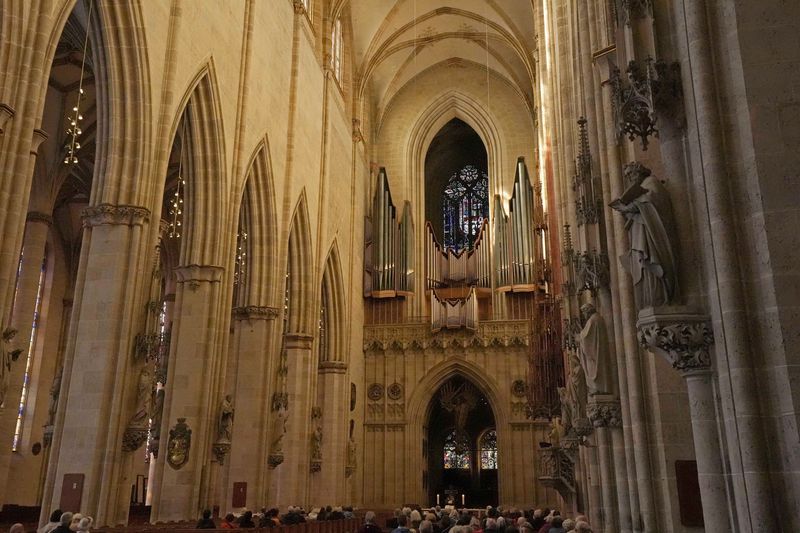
91, 413
289, 482
605, 413
684, 338
334, 389
191, 397
252, 392
37, 227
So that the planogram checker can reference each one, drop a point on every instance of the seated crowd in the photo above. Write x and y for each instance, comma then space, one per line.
494, 520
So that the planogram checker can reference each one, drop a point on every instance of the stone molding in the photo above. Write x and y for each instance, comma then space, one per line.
6, 113
114, 215
193, 275
680, 335
298, 341
332, 367
255, 312
503, 333
37, 216
604, 411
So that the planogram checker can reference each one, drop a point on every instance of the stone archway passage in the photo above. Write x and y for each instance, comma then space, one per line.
459, 418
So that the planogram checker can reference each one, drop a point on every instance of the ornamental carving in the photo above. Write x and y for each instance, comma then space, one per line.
220, 451
685, 341
107, 214
133, 438
651, 89
35, 216
395, 391
375, 392
604, 414
519, 388
179, 444
557, 470
636, 9
501, 333
255, 312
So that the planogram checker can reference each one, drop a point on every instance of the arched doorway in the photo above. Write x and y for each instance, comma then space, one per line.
461, 445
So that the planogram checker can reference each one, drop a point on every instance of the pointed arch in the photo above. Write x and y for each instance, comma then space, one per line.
203, 156
332, 301
299, 271
257, 218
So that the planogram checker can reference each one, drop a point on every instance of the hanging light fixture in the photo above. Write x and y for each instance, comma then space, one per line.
74, 129
240, 267
176, 208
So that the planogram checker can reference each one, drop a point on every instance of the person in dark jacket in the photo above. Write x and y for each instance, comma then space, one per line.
206, 522
63, 527
246, 520
229, 522
369, 524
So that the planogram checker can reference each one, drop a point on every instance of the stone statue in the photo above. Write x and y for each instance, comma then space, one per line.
566, 407
576, 388
650, 223
55, 392
8, 356
144, 395
351, 452
225, 429
556, 432
155, 421
316, 444
595, 359
278, 429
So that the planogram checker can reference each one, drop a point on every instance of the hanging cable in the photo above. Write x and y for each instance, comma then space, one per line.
74, 130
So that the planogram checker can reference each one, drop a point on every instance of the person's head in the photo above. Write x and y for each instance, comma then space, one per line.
583, 527
397, 512
17, 528
85, 524
229, 517
66, 518
328, 509
248, 515
568, 524
426, 527
501, 522
402, 520
76, 518
415, 516
557, 521
206, 514
635, 172
407, 511
444, 522
369, 518
55, 516
491, 524
581, 518
526, 527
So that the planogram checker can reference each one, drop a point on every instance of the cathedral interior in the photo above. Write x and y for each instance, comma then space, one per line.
388, 253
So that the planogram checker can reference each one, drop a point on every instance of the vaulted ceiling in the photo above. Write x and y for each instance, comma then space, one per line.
396, 40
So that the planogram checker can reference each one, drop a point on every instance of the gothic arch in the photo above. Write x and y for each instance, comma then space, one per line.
258, 210
336, 318
301, 295
206, 177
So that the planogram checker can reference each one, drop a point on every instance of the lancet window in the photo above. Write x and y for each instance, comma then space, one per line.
456, 452
465, 206
488, 447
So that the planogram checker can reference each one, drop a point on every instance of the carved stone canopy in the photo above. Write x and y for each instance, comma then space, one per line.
679, 334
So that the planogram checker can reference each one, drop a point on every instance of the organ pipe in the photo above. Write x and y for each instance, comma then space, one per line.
454, 313
446, 268
388, 246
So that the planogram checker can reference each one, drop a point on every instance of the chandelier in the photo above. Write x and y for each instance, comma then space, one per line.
74, 129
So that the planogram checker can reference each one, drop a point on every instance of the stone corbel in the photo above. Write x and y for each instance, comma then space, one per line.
39, 136
678, 334
107, 214
6, 113
220, 450
299, 7
358, 135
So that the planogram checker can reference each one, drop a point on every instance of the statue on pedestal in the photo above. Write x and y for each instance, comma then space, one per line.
9, 356
278, 429
144, 395
225, 428
576, 388
651, 260
594, 356
55, 392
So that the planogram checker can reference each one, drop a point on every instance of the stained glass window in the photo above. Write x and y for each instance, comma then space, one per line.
466, 205
336, 49
456, 452
489, 450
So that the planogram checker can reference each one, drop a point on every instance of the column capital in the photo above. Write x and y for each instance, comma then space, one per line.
255, 312
299, 7
679, 334
301, 341
39, 136
604, 411
332, 367
114, 215
37, 216
194, 275
6, 113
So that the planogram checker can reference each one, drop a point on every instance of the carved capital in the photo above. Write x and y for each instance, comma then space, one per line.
332, 367
604, 411
274, 460
682, 337
636, 9
358, 135
114, 215
194, 275
255, 312
36, 216
6, 113
299, 7
298, 341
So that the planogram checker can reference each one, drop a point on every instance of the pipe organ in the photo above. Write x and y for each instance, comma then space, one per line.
454, 313
520, 238
467, 268
388, 246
